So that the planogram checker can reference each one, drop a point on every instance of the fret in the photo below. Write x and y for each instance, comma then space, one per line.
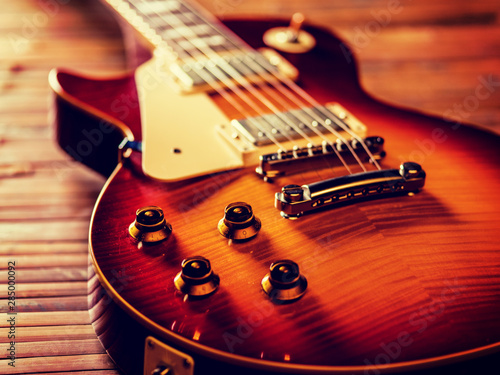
210, 41
199, 30
182, 28
176, 20
151, 7
196, 74
195, 42
196, 45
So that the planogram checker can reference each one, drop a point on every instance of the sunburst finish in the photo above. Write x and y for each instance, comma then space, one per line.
393, 284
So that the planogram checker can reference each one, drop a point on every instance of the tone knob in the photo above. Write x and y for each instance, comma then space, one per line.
150, 225
239, 223
284, 283
196, 277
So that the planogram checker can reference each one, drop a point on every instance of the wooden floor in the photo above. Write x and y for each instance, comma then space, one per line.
426, 55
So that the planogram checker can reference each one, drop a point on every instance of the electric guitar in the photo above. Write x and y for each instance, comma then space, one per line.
263, 214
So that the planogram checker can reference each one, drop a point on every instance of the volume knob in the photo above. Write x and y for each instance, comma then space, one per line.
196, 278
284, 283
150, 225
239, 223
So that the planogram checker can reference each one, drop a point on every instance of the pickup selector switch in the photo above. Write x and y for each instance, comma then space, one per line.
196, 278
239, 223
150, 225
291, 39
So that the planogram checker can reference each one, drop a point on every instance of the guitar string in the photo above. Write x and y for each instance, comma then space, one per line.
298, 115
230, 85
264, 63
283, 91
228, 71
214, 85
307, 99
311, 101
221, 91
237, 76
216, 70
231, 71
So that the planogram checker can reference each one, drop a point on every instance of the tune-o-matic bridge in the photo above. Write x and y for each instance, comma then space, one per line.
324, 156
293, 201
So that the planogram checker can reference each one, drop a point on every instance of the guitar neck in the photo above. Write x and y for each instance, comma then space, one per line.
180, 29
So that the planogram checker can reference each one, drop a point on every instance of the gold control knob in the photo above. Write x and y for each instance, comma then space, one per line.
149, 225
284, 283
290, 39
239, 222
196, 278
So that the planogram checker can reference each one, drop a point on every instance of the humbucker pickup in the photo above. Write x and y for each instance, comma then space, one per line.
294, 201
324, 156
298, 123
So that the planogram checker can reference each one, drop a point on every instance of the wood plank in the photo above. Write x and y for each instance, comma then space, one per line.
11, 203
46, 185
46, 260
43, 303
73, 288
79, 209
58, 348
23, 248
36, 319
48, 274
58, 363
29, 150
45, 231
50, 333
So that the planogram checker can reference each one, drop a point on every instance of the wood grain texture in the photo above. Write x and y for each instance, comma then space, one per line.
429, 57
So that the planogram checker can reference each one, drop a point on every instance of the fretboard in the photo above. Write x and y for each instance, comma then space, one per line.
186, 30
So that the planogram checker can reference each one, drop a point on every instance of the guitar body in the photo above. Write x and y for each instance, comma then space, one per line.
396, 284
